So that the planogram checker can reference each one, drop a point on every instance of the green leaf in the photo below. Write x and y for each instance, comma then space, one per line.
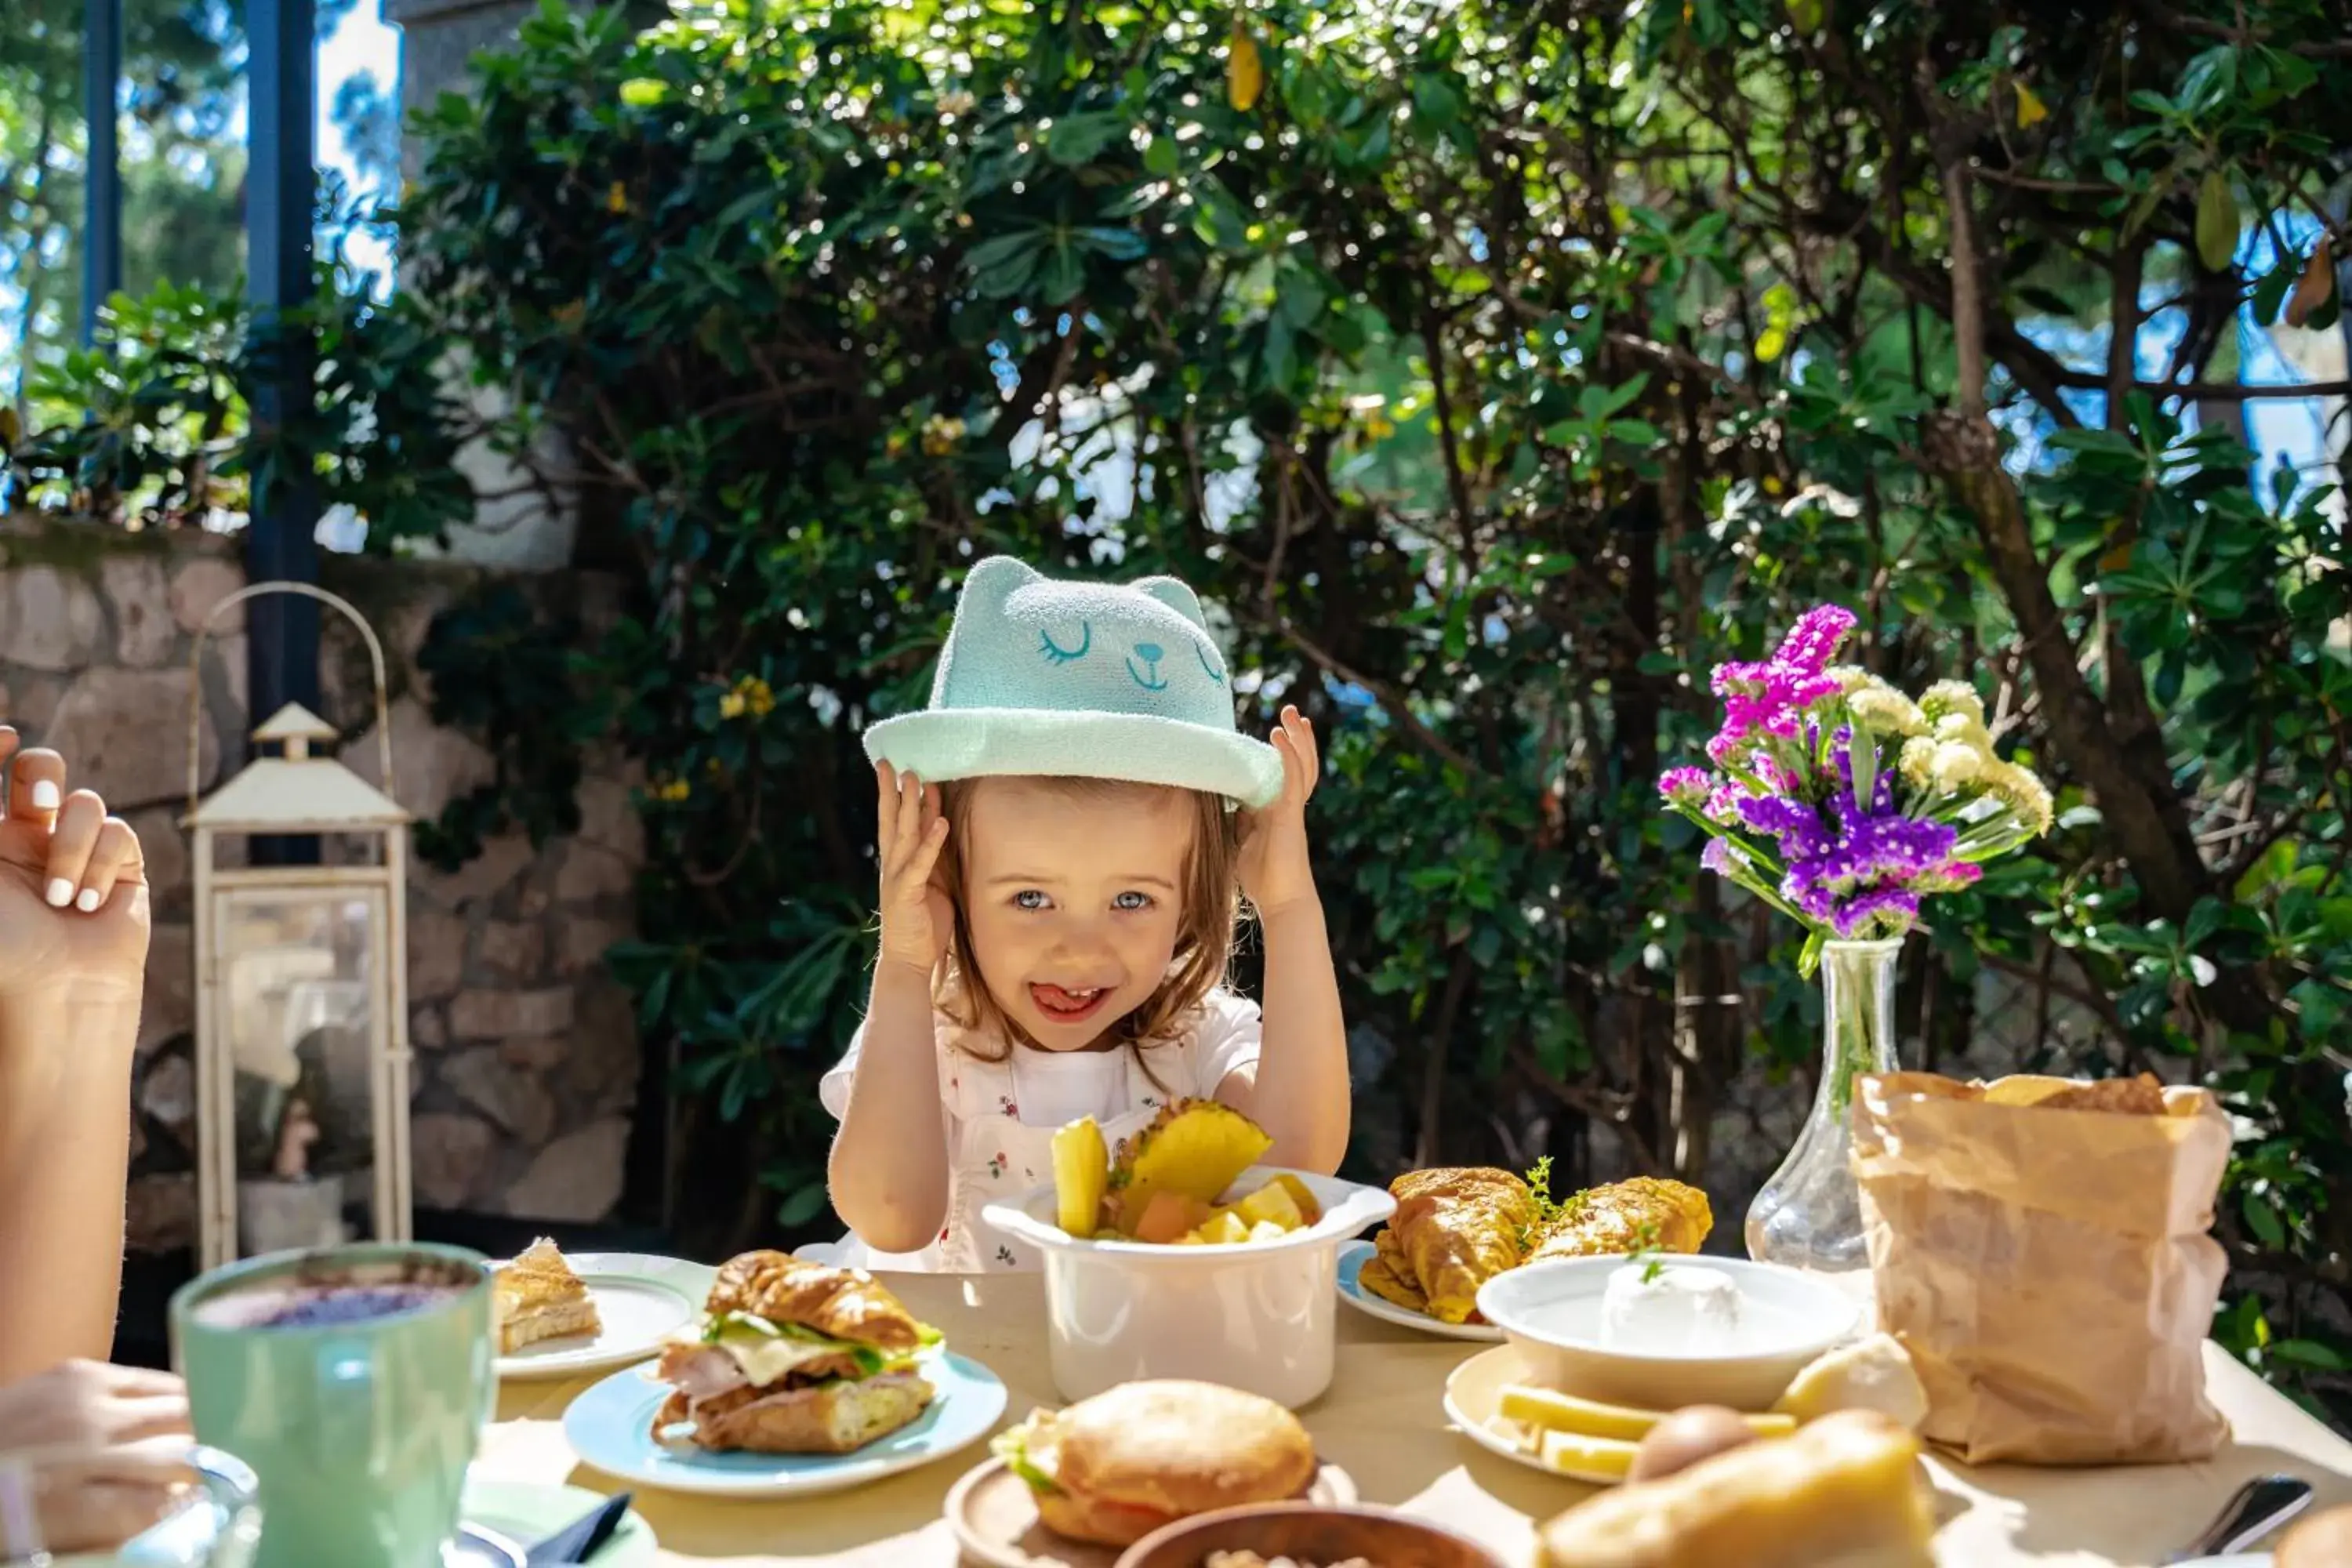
1081, 137
2216, 222
2311, 1353
643, 93
2263, 1221
803, 1206
1062, 275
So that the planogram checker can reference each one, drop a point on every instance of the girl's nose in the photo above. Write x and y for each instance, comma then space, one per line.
1149, 652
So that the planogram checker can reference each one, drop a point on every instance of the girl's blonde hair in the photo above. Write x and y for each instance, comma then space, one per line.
1204, 938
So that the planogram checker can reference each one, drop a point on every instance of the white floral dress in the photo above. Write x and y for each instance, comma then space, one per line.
997, 1147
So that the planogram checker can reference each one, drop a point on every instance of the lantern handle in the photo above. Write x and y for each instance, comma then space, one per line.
196, 684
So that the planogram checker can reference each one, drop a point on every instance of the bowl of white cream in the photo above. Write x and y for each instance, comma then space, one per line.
1662, 1331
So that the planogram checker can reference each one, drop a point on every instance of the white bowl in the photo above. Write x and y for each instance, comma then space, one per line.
1552, 1311
1256, 1316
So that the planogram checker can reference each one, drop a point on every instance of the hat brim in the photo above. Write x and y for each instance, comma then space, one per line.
941, 745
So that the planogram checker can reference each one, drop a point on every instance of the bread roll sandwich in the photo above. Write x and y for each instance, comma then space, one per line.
1113, 1468
794, 1357
538, 1297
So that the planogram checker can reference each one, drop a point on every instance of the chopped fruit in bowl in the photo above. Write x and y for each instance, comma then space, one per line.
1178, 1255
1165, 1185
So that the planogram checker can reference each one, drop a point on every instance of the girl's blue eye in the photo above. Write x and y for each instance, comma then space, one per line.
1028, 899
1131, 901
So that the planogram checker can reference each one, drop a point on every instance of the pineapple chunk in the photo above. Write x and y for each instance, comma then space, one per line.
1081, 1173
1223, 1228
1194, 1147
1271, 1203
1611, 1457
1550, 1409
1309, 1211
1167, 1216
1266, 1230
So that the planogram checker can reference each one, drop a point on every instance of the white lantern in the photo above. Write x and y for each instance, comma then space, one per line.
302, 1057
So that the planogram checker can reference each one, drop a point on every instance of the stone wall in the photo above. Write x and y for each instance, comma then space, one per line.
526, 1058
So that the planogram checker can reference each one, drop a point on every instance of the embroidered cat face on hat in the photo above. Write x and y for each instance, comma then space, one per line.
1080, 681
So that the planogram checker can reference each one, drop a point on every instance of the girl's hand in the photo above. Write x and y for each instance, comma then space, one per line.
73, 887
916, 915
1273, 868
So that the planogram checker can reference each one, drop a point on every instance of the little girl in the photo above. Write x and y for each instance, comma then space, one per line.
1066, 832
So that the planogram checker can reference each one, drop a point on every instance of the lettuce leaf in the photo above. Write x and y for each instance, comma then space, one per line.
1012, 1446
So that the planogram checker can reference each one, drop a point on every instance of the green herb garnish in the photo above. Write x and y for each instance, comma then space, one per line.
1012, 1447
1645, 1239
1549, 1214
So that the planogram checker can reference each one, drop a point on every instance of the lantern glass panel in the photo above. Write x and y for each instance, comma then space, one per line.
302, 1021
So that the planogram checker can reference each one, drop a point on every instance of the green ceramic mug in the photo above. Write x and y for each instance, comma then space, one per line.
355, 1381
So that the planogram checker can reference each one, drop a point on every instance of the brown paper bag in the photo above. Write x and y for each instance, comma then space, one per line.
2048, 1270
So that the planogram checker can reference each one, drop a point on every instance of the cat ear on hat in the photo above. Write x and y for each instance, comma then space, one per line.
1173, 593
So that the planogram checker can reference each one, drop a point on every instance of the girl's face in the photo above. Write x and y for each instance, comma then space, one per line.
1073, 902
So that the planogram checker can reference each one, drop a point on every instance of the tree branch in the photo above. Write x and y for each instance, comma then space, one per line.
1392, 702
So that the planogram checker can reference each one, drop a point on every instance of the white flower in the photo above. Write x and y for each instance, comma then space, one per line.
1917, 763
2015, 787
1952, 697
1885, 710
1957, 765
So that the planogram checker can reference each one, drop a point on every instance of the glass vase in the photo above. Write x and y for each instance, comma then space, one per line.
1809, 1215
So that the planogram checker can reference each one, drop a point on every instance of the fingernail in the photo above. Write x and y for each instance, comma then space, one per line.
88, 900
61, 892
46, 798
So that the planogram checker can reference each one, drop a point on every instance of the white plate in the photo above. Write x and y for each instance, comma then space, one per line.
1353, 1255
1474, 1402
641, 1300
610, 1427
527, 1514
2235, 1560
995, 1521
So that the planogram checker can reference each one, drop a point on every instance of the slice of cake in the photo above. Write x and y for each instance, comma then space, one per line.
538, 1297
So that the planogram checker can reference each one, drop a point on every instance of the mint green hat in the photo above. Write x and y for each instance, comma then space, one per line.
1080, 681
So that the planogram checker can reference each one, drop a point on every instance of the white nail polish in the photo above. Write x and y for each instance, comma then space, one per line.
87, 902
61, 892
45, 795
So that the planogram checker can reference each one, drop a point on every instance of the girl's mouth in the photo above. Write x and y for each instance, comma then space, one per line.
1065, 1006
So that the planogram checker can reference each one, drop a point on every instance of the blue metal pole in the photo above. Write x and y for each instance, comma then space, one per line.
101, 246
280, 539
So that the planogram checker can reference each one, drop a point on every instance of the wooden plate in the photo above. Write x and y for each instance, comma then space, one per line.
995, 1521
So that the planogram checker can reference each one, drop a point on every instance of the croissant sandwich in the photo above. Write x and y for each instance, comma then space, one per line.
794, 1357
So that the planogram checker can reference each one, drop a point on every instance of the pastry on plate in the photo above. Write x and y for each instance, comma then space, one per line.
1113, 1468
794, 1357
538, 1297
1455, 1228
1643, 1214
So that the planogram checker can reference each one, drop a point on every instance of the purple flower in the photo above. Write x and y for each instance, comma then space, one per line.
1686, 786
1889, 911
1721, 857
1814, 639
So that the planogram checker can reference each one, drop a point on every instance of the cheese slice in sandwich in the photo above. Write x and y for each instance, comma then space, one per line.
538, 1297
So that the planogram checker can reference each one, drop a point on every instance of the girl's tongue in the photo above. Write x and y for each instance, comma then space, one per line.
1066, 1006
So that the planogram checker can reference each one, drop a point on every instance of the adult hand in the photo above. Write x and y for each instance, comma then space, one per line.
73, 885
88, 1404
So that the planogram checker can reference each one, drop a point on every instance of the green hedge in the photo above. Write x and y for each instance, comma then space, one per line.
1498, 369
